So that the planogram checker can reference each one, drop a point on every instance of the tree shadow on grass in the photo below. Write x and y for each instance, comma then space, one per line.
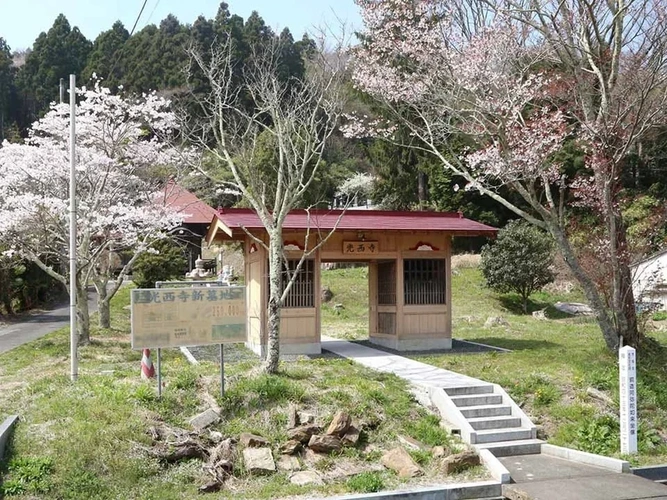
514, 304
516, 344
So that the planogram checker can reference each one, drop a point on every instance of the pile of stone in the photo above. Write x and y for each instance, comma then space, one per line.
255, 454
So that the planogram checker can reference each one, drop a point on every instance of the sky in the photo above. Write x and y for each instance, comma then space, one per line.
21, 21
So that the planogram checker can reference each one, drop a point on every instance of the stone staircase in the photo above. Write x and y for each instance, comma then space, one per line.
487, 418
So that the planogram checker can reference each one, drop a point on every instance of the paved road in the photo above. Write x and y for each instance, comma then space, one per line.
33, 326
540, 477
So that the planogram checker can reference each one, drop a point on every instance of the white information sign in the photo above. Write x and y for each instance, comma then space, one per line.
627, 363
188, 316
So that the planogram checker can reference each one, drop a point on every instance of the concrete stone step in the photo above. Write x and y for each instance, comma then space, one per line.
485, 411
501, 422
477, 399
500, 435
510, 448
469, 389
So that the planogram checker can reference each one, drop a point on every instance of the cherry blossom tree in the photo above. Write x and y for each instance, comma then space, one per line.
515, 80
120, 208
250, 106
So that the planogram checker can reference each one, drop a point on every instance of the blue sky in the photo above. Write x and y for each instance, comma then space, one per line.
21, 21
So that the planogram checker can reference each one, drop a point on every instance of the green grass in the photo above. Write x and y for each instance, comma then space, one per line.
85, 440
350, 288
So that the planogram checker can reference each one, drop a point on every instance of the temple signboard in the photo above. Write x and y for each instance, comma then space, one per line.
360, 247
174, 317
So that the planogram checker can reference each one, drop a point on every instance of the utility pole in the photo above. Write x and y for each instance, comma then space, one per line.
62, 90
73, 335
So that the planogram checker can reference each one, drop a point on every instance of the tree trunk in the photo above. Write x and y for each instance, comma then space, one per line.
422, 188
624, 306
103, 304
275, 291
83, 316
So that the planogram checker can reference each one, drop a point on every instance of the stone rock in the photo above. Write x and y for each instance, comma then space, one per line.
303, 432
204, 419
312, 458
292, 417
259, 460
215, 436
340, 423
411, 443
493, 321
574, 308
252, 440
288, 463
352, 435
327, 294
305, 477
541, 314
210, 487
439, 451
305, 418
325, 443
460, 462
599, 395
291, 447
401, 462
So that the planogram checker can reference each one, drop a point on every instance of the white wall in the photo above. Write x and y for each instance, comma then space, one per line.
649, 283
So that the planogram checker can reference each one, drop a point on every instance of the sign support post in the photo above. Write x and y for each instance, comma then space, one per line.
628, 398
222, 370
159, 373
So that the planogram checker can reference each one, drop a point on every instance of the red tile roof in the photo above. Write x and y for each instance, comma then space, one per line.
193, 209
454, 223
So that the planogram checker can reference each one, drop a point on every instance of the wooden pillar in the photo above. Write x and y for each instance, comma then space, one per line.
318, 295
400, 292
372, 297
448, 285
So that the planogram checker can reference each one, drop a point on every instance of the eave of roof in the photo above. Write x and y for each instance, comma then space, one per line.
194, 210
234, 222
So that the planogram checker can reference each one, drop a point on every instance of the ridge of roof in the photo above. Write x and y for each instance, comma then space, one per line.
357, 212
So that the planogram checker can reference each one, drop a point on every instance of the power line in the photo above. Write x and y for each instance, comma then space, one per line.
148, 19
115, 59
138, 17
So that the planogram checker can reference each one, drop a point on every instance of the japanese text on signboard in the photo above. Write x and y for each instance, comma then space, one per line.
172, 317
628, 398
360, 247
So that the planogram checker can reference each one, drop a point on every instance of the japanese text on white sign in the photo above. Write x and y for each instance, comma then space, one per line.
628, 398
173, 317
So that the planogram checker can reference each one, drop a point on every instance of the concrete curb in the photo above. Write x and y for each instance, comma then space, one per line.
526, 423
494, 466
652, 472
452, 413
612, 464
188, 355
5, 431
462, 491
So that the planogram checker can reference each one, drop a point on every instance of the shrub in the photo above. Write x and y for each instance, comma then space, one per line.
168, 263
519, 261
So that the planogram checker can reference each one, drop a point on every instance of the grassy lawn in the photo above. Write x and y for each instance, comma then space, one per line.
552, 365
350, 288
88, 439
